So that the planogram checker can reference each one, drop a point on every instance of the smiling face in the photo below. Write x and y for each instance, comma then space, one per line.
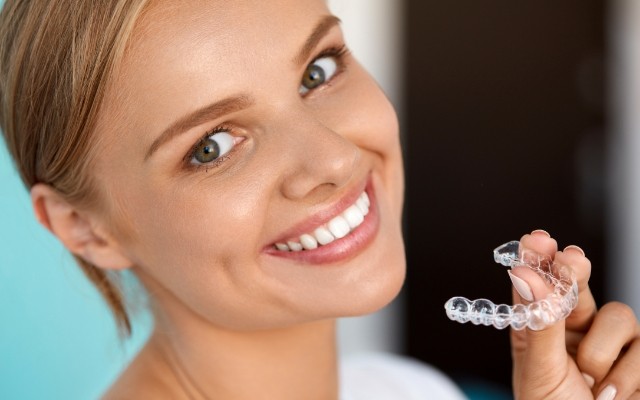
252, 166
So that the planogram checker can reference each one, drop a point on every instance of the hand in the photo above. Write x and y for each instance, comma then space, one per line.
592, 354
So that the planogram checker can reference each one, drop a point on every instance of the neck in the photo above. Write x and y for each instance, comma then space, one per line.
288, 363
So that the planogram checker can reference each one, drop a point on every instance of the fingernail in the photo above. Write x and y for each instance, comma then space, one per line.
574, 247
521, 286
609, 393
541, 232
589, 379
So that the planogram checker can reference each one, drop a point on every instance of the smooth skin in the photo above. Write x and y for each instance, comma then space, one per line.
233, 319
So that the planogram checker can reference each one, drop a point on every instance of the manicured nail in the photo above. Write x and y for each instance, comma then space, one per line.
541, 232
608, 393
589, 379
522, 287
574, 247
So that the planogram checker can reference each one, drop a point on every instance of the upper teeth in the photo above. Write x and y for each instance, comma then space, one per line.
336, 228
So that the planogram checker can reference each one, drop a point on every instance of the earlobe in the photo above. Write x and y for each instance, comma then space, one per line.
75, 229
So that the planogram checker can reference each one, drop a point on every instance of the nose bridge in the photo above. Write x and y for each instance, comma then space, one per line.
320, 158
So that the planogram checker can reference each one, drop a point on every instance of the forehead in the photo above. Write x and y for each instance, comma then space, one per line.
206, 49
187, 36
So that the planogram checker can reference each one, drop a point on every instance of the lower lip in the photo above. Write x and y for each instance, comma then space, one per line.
340, 249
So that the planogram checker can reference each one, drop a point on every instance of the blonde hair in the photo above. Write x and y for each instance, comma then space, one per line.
56, 60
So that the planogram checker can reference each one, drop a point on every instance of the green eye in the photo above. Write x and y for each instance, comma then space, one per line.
317, 73
212, 147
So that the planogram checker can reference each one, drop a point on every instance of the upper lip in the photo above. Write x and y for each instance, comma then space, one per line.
323, 216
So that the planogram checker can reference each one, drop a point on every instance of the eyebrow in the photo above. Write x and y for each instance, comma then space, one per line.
240, 102
323, 27
200, 116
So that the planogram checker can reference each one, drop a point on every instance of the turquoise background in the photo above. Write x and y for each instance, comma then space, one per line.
57, 337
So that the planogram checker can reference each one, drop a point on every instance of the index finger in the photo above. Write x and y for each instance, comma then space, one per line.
582, 316
540, 242
574, 257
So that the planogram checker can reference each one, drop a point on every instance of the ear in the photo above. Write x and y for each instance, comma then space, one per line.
76, 230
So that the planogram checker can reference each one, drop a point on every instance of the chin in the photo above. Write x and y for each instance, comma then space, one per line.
380, 296
370, 295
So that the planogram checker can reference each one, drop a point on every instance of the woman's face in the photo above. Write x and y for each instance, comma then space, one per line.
233, 128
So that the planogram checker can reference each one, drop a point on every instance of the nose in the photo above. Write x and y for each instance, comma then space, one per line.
322, 161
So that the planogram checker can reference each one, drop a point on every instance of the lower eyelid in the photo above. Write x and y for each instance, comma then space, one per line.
216, 163
340, 68
336, 76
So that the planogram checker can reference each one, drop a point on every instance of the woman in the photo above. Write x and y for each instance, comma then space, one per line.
248, 170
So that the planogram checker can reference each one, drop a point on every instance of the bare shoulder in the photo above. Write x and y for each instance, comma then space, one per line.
147, 377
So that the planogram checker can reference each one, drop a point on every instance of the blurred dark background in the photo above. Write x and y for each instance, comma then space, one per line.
505, 129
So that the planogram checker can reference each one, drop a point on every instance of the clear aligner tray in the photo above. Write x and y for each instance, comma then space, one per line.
535, 316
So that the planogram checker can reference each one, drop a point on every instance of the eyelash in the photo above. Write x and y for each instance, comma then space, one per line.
216, 162
339, 53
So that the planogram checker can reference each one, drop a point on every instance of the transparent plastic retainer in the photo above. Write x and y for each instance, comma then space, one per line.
535, 316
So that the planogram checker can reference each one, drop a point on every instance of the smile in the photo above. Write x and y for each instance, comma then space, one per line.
337, 228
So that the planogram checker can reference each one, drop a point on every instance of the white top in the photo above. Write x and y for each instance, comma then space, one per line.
379, 376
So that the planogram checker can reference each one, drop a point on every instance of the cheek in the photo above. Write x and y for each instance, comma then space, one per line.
362, 112
192, 231
370, 119
199, 246
199, 219
372, 124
